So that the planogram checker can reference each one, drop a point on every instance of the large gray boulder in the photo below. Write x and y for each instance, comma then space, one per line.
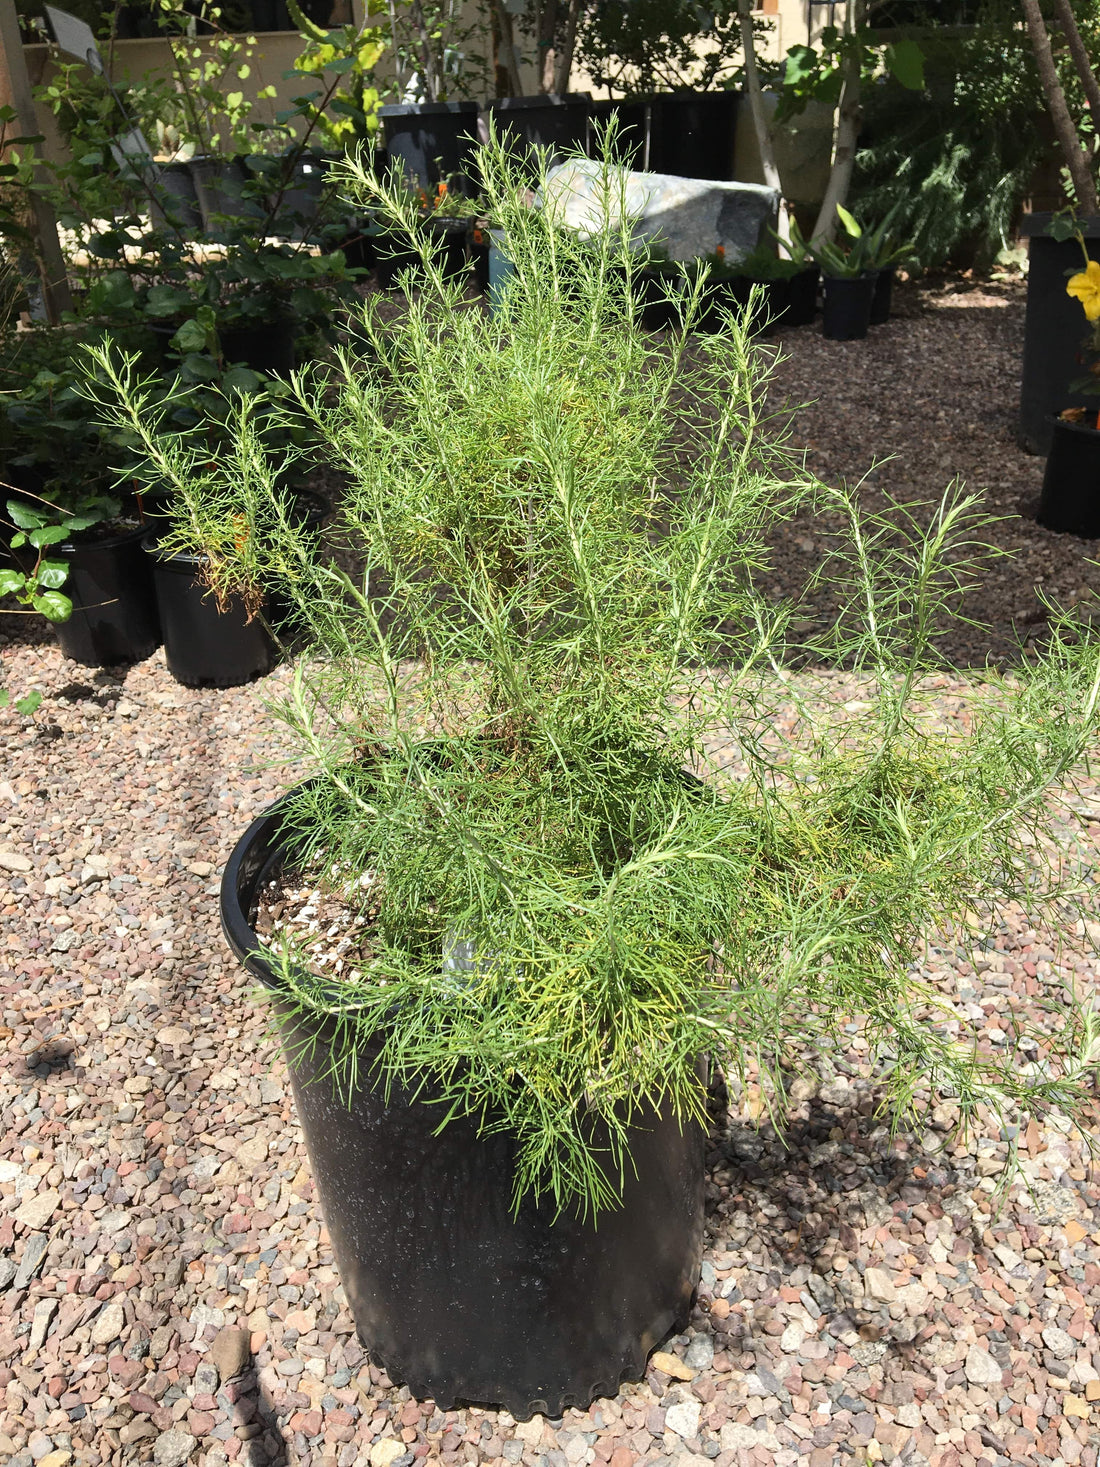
689, 217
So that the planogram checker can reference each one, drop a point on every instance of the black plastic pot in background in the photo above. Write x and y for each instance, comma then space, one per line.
631, 143
205, 647
431, 142
174, 202
883, 296
691, 134
1070, 501
1054, 329
802, 297
656, 295
559, 123
478, 247
455, 1296
220, 185
395, 253
846, 310
114, 616
313, 510
267, 347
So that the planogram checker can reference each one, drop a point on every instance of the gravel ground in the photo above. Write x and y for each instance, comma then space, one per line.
167, 1290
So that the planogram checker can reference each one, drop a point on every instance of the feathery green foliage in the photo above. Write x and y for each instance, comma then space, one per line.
554, 627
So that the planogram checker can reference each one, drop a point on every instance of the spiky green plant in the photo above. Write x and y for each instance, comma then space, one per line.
548, 712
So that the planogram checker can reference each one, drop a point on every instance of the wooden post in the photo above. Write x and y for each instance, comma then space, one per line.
15, 90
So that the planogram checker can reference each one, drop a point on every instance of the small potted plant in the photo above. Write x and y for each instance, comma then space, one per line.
520, 899
848, 281
93, 584
1070, 500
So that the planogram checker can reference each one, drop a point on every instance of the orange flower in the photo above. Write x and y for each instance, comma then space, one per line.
721, 252
479, 238
440, 194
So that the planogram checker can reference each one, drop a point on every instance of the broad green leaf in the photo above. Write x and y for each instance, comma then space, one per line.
191, 336
802, 62
166, 300
53, 606
48, 535
24, 516
28, 703
850, 222
11, 582
18, 540
52, 574
905, 62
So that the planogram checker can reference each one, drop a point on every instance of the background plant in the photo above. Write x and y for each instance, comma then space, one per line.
556, 525
958, 158
636, 48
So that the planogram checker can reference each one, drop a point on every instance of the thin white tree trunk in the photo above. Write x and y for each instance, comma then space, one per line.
760, 124
849, 116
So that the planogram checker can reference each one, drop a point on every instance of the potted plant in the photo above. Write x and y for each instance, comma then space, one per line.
1070, 500
849, 282
93, 584
519, 897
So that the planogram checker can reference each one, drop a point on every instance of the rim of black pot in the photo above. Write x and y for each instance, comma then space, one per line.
426, 109
548, 99
1071, 426
110, 542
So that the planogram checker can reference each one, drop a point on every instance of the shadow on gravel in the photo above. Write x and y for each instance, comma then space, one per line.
788, 1210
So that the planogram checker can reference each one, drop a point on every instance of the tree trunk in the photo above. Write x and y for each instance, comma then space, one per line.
431, 84
849, 117
563, 62
760, 124
1068, 137
761, 127
508, 80
546, 23
1064, 15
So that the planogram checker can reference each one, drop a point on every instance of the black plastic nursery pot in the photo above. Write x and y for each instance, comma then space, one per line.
1070, 501
174, 203
394, 252
114, 617
558, 123
631, 144
691, 134
883, 296
220, 184
846, 310
205, 647
656, 296
430, 141
456, 1297
269, 346
1054, 330
802, 297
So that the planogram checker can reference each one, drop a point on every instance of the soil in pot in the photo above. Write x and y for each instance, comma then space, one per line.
458, 1298
846, 313
114, 618
1070, 501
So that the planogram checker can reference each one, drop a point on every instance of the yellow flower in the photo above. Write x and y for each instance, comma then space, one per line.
1086, 287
